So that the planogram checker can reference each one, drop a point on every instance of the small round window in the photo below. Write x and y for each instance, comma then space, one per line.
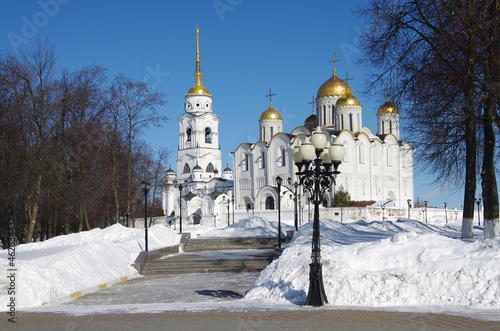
197, 105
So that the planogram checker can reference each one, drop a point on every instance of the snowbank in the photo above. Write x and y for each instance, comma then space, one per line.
61, 266
387, 264
253, 226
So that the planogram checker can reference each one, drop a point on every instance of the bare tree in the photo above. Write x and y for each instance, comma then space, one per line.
135, 107
429, 50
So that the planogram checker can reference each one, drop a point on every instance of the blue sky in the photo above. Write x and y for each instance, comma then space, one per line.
246, 48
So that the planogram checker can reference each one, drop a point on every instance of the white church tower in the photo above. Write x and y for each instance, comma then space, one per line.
388, 118
270, 122
199, 156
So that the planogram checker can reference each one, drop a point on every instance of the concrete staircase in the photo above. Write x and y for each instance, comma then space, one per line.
211, 255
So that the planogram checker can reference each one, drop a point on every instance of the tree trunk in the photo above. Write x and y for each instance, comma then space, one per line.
470, 160
33, 209
489, 181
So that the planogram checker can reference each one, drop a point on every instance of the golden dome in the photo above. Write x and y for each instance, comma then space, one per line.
270, 114
197, 90
388, 108
347, 100
312, 119
333, 86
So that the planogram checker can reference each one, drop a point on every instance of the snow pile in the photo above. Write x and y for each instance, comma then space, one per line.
253, 226
58, 267
387, 264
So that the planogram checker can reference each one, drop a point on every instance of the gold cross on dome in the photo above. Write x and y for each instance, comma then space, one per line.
347, 79
334, 61
270, 95
312, 102
387, 90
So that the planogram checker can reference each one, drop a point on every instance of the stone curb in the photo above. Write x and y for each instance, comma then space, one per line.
91, 290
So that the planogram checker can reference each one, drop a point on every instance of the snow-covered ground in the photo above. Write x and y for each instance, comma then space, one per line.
403, 263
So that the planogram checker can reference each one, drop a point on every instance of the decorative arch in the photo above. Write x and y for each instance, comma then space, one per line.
188, 134
210, 167
186, 169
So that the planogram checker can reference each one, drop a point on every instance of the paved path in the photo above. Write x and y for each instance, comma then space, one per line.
306, 319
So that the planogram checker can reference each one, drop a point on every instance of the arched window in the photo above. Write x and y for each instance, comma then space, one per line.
390, 126
350, 123
245, 163
263, 160
210, 167
186, 168
188, 134
270, 203
208, 135
283, 159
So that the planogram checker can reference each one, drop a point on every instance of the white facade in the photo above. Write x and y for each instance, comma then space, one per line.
376, 167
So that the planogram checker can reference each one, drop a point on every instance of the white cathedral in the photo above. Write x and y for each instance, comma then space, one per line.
376, 167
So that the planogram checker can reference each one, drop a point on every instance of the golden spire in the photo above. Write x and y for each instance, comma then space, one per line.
198, 88
197, 74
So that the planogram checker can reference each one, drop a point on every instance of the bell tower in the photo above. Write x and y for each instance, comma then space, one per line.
198, 132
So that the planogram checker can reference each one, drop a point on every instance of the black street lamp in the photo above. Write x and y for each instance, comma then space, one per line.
341, 213
425, 205
295, 211
253, 209
409, 206
224, 199
478, 201
383, 215
278, 182
317, 163
126, 217
232, 201
145, 188
445, 212
180, 206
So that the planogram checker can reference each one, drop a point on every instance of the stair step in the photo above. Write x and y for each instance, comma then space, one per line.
212, 255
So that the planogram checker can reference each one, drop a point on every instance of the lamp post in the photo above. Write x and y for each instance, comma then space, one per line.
341, 213
409, 206
383, 215
232, 202
425, 205
145, 188
126, 217
478, 201
253, 208
278, 182
317, 163
445, 212
224, 199
180, 207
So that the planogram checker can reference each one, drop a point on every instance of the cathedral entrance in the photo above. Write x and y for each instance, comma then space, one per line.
270, 203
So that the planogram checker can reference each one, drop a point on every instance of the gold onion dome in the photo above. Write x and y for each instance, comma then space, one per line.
388, 108
270, 114
347, 100
333, 86
198, 88
312, 119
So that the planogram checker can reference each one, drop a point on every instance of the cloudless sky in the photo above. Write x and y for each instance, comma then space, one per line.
246, 46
